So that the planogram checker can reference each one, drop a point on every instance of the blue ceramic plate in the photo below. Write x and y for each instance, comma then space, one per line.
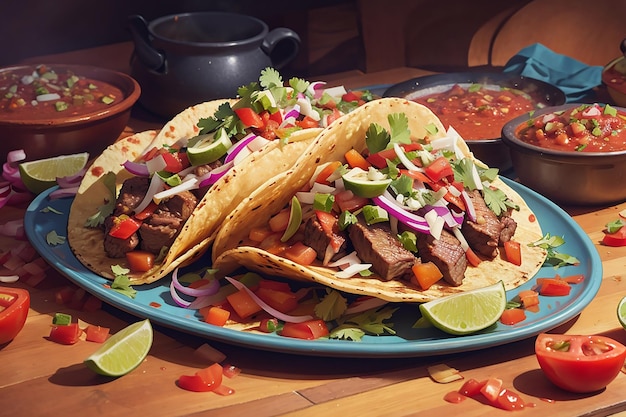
408, 342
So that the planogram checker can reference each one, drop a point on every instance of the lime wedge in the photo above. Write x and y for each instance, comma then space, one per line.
204, 149
123, 351
467, 312
42, 174
621, 312
361, 184
295, 218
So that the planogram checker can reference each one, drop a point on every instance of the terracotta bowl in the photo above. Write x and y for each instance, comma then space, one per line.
614, 77
62, 135
571, 178
489, 150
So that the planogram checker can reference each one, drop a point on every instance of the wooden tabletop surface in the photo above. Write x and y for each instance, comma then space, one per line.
39, 377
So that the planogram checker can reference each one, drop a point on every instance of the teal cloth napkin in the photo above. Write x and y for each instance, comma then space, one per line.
573, 77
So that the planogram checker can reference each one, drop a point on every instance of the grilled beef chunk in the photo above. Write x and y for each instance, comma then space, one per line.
316, 237
201, 170
163, 226
508, 229
116, 247
131, 194
482, 235
377, 245
445, 252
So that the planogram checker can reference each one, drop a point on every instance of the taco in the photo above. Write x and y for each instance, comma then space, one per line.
421, 198
157, 199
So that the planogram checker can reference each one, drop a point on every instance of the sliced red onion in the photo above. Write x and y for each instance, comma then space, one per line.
234, 150
292, 112
315, 87
16, 156
177, 298
591, 111
280, 316
469, 206
136, 168
71, 181
156, 185
415, 222
211, 288
352, 270
189, 184
63, 193
213, 176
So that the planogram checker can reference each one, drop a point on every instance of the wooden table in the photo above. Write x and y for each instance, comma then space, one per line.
39, 377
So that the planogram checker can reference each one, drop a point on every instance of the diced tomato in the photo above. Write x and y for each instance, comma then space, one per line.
300, 254
513, 252
270, 130
336, 114
352, 96
553, 287
65, 335
356, 160
139, 260
472, 387
280, 300
454, 397
207, 379
379, 159
14, 306
416, 175
574, 279
327, 171
249, 117
472, 258
279, 221
243, 304
330, 225
268, 325
172, 163
307, 123
346, 200
145, 213
529, 298
309, 330
439, 168
512, 316
216, 316
276, 117
615, 239
124, 227
97, 334
492, 389
509, 400
426, 274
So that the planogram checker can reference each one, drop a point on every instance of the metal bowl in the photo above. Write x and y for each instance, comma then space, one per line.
62, 135
614, 77
572, 178
489, 150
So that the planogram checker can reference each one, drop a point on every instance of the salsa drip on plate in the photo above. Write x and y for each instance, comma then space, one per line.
582, 128
478, 111
44, 92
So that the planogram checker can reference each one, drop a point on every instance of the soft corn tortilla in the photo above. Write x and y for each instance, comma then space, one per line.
346, 133
199, 230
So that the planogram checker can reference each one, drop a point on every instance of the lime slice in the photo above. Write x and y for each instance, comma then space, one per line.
621, 312
295, 218
204, 149
361, 183
467, 312
42, 174
123, 351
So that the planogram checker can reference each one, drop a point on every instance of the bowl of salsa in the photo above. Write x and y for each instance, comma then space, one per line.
477, 105
51, 109
573, 154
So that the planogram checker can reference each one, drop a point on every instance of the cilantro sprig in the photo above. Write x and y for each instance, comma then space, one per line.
121, 283
368, 322
550, 243
97, 219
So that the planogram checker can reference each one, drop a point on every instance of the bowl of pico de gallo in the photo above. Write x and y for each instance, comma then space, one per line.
574, 154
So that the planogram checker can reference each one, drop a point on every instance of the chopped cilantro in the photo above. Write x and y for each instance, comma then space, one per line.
408, 240
376, 138
370, 321
399, 124
121, 283
53, 239
554, 258
497, 201
615, 225
332, 306
346, 219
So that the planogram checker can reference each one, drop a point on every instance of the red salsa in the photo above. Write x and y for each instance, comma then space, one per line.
582, 128
42, 93
478, 111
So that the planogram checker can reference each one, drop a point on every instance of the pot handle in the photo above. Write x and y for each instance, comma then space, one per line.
148, 56
289, 42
